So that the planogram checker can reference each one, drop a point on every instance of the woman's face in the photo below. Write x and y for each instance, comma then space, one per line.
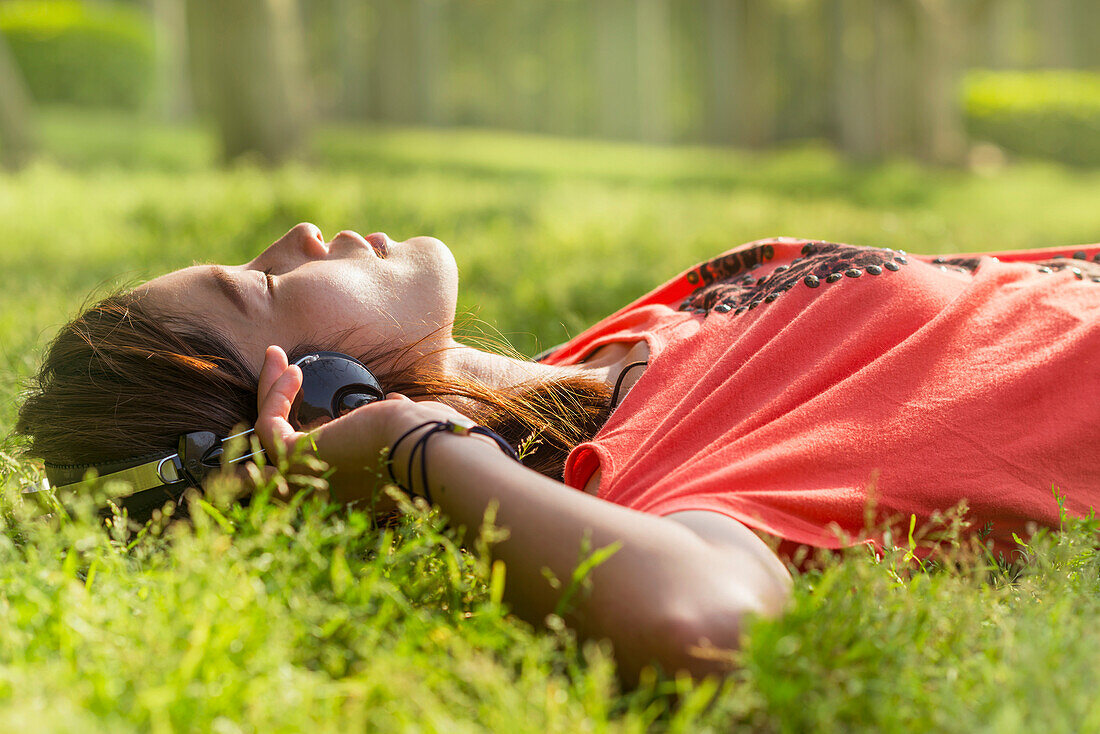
302, 290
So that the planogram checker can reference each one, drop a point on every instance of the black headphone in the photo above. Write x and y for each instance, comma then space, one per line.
333, 384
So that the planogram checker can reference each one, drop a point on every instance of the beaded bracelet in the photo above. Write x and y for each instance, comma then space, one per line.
462, 427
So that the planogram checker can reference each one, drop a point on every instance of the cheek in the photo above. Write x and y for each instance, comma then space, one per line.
327, 302
253, 343
338, 311
389, 309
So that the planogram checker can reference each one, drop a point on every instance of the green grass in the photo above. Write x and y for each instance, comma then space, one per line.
304, 618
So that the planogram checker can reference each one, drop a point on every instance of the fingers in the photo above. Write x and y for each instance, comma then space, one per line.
275, 363
279, 384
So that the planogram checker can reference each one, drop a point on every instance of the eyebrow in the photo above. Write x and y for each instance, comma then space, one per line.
230, 288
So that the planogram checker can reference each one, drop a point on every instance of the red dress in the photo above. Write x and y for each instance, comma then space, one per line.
804, 388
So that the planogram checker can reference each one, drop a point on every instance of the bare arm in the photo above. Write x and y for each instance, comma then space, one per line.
675, 583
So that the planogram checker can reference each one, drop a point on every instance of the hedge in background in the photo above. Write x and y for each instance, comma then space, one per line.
1051, 114
96, 54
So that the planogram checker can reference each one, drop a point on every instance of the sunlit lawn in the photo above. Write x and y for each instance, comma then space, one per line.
275, 619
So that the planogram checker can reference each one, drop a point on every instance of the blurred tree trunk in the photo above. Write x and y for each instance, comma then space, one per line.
944, 27
854, 30
515, 87
654, 50
894, 78
395, 62
758, 73
1006, 28
353, 34
432, 61
249, 73
723, 37
616, 68
16, 136
1056, 39
944, 139
803, 108
1084, 24
566, 45
173, 86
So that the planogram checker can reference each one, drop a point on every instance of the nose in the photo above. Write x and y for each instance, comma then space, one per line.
302, 243
308, 238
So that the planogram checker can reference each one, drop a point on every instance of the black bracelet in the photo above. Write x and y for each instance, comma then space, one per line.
465, 428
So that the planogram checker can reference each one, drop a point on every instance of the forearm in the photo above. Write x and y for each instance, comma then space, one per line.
668, 588
660, 593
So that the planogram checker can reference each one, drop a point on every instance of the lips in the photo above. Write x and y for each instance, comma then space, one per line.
378, 241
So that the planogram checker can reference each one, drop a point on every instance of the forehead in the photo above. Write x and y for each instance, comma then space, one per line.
176, 281
190, 290
193, 292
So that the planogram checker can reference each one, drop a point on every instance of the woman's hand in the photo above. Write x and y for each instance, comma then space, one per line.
352, 444
670, 586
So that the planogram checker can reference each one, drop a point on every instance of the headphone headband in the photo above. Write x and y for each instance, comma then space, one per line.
62, 475
155, 478
332, 384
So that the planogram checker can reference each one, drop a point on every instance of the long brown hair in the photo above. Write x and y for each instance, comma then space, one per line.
123, 380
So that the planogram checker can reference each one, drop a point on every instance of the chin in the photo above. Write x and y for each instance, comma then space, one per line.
432, 248
435, 255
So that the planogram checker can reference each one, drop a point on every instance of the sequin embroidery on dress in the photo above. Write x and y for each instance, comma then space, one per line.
1077, 263
727, 283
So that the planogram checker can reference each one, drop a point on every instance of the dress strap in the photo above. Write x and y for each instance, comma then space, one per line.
619, 382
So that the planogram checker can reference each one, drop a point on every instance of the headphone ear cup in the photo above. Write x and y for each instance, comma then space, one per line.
293, 418
354, 396
333, 384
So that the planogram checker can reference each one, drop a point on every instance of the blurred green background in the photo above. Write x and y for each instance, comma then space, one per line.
573, 155
925, 78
